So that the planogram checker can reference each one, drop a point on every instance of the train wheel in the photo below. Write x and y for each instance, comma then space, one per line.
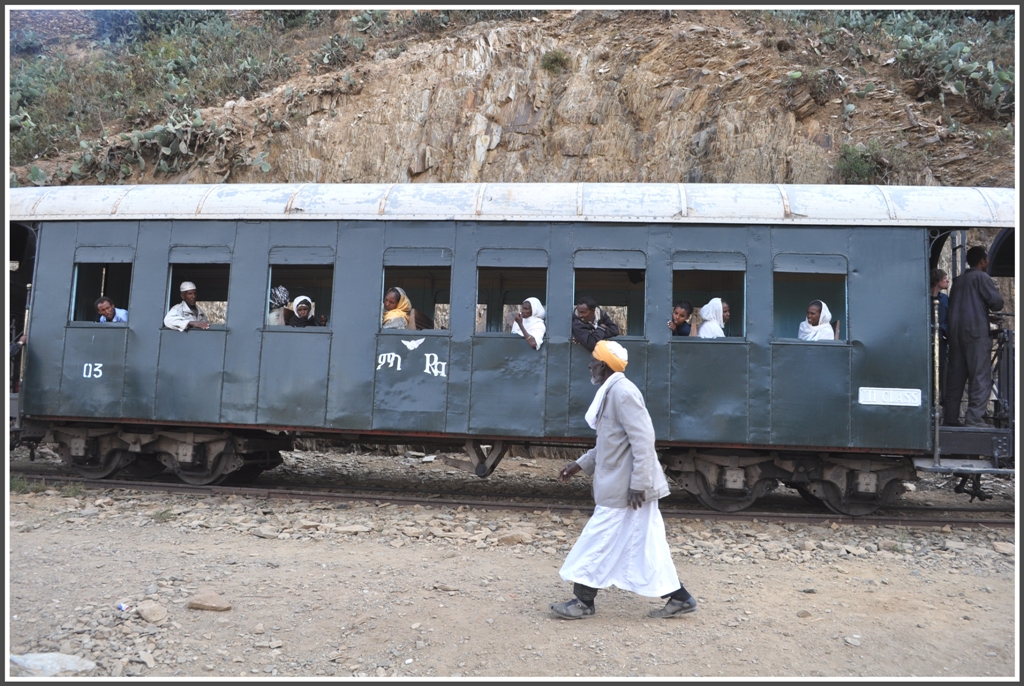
98, 467
858, 507
724, 502
245, 474
145, 467
204, 475
810, 497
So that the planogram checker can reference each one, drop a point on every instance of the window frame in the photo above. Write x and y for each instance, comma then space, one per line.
719, 262
403, 261
173, 283
328, 328
84, 260
811, 264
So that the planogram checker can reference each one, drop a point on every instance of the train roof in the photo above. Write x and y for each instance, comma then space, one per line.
723, 203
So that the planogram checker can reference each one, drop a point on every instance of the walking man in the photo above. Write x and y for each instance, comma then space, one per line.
624, 542
971, 298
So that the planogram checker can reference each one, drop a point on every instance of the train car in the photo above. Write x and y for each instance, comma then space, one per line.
844, 421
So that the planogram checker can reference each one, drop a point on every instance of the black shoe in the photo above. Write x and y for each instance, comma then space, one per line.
572, 609
675, 608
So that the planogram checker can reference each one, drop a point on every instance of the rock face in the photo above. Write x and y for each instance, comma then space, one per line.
697, 97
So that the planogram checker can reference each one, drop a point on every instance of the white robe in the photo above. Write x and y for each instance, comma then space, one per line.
180, 315
713, 322
626, 548
534, 324
822, 332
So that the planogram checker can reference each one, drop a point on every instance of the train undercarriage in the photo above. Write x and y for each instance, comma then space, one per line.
201, 458
723, 479
731, 480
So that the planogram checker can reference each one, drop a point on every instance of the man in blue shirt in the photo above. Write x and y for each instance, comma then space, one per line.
109, 313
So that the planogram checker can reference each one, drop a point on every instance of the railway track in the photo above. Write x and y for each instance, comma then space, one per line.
786, 510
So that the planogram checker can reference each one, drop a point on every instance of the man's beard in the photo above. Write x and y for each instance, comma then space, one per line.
596, 380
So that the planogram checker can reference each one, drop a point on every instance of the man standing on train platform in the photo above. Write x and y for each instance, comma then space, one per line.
972, 296
186, 315
623, 543
590, 324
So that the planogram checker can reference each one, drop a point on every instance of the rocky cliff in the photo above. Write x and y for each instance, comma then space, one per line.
597, 96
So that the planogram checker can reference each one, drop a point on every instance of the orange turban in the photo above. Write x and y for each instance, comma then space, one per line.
612, 354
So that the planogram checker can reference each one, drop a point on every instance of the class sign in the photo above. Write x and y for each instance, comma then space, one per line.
903, 397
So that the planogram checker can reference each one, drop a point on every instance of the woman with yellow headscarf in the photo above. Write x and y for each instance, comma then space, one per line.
396, 309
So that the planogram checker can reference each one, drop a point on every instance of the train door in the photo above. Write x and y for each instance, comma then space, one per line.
412, 349
294, 355
810, 407
710, 376
617, 280
195, 393
509, 377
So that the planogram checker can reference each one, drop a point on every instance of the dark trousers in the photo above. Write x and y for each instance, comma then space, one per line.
970, 364
943, 366
587, 594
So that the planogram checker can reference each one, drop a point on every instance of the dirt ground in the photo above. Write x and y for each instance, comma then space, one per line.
359, 589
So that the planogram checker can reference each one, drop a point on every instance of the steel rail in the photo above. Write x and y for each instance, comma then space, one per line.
547, 504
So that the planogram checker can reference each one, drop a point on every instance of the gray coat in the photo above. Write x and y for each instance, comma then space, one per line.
971, 297
624, 457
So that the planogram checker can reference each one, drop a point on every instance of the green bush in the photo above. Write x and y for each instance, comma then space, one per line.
967, 52
183, 65
856, 166
336, 53
554, 61
25, 42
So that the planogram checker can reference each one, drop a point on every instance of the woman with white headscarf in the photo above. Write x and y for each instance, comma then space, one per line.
817, 326
714, 315
529, 323
304, 316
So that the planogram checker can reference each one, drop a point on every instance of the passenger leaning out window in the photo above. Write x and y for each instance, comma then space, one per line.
397, 309
280, 314
186, 314
679, 325
590, 324
529, 323
713, 316
108, 313
304, 314
818, 326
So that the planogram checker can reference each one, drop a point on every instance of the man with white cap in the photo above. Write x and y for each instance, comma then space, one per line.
185, 315
624, 542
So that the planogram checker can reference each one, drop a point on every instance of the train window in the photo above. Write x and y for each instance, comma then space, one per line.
211, 282
795, 291
501, 292
619, 292
315, 282
699, 286
94, 280
428, 289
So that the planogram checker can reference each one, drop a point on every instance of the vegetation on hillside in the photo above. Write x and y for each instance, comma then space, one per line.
962, 52
149, 71
127, 96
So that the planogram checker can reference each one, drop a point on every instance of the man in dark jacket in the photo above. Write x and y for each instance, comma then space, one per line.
971, 298
590, 324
